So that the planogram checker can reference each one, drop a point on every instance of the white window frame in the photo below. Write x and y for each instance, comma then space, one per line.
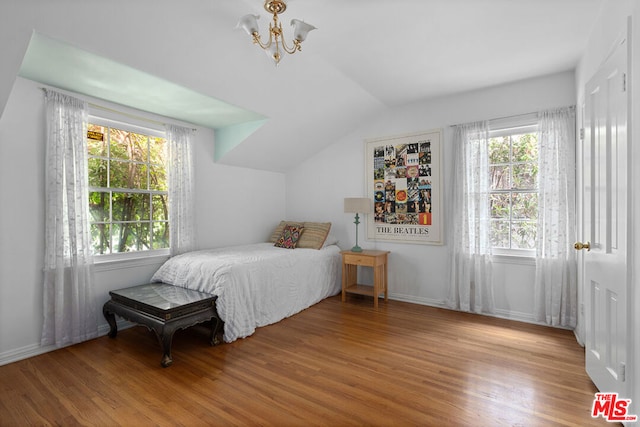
105, 118
505, 127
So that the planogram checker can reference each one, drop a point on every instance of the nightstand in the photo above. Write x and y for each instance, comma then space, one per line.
368, 258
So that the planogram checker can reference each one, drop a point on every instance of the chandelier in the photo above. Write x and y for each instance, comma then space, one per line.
276, 42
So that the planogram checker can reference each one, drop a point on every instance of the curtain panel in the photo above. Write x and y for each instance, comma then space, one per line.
181, 189
555, 292
470, 284
70, 314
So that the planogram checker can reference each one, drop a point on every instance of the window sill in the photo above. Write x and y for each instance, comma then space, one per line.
520, 259
129, 260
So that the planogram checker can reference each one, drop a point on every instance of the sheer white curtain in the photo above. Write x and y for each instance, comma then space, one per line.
556, 265
181, 189
470, 284
70, 314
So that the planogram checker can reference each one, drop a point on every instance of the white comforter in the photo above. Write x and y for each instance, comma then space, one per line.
257, 284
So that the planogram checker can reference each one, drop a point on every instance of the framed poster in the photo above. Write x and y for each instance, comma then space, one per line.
404, 179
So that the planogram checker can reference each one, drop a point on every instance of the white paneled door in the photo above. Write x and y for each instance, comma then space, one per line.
605, 214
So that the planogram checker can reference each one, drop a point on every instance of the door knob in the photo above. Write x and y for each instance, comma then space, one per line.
579, 246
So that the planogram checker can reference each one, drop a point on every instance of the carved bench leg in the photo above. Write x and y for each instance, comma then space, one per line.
165, 336
111, 320
216, 326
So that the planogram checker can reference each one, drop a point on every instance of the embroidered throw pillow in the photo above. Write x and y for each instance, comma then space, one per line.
289, 237
275, 235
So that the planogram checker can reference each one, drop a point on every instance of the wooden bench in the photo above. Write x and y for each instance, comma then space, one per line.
164, 309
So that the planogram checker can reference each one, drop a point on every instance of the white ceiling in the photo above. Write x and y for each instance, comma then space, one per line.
403, 51
366, 56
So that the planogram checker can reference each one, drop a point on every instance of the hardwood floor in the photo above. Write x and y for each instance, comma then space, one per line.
333, 364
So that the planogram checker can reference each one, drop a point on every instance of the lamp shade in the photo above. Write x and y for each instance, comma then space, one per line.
249, 23
301, 29
357, 205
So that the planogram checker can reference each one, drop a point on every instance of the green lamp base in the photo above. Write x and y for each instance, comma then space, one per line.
356, 248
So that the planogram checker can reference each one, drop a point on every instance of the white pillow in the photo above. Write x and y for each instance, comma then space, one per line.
330, 240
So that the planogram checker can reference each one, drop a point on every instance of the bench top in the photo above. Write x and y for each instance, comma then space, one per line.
161, 297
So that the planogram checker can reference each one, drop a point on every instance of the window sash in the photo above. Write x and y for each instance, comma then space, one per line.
507, 128
147, 221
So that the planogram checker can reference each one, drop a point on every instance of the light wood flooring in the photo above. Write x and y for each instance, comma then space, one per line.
333, 364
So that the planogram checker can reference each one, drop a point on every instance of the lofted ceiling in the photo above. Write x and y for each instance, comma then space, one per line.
367, 56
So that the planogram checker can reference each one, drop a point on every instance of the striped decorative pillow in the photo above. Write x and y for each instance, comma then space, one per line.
315, 233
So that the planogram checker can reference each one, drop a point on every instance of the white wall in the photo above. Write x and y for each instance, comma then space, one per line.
610, 27
419, 273
233, 206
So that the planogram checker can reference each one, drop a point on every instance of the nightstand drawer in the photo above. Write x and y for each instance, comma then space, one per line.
359, 260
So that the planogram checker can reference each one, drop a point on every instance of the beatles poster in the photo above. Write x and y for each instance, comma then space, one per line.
404, 180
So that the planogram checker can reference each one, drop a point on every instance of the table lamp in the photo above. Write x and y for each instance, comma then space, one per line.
357, 205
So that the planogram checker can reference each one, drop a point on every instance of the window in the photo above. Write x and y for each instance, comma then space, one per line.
128, 199
513, 166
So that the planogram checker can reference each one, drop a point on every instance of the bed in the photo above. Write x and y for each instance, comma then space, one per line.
259, 284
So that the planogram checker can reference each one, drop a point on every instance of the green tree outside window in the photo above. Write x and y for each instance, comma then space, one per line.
128, 199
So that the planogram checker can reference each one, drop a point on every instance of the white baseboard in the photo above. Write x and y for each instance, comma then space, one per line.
24, 353
517, 316
417, 300
37, 349
500, 313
